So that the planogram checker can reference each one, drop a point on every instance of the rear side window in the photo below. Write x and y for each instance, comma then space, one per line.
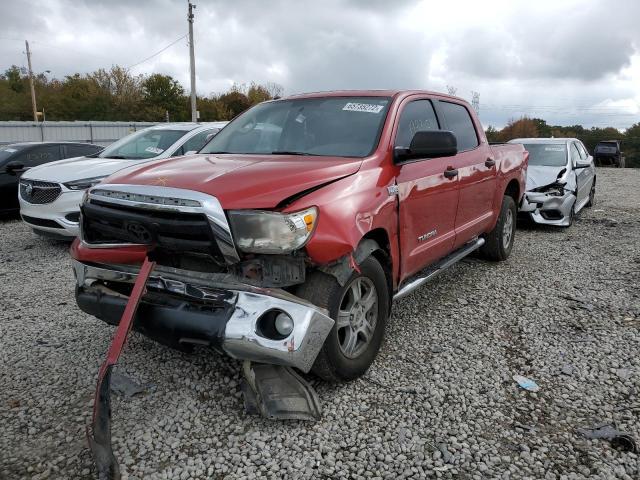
42, 154
460, 123
417, 116
81, 150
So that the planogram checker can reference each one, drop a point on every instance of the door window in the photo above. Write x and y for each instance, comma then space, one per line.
575, 154
583, 151
460, 123
195, 143
42, 154
417, 116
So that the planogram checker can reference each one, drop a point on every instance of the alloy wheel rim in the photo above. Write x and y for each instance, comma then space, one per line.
507, 230
357, 317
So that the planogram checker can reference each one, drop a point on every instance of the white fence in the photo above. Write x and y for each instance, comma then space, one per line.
101, 133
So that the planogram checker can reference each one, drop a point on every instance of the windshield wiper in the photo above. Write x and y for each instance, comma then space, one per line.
116, 157
215, 152
290, 152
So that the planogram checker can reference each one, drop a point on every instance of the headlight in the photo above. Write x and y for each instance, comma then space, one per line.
259, 231
84, 183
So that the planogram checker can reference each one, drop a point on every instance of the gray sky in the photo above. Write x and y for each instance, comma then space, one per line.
567, 61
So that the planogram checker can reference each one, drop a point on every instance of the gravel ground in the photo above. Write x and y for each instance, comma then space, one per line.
440, 400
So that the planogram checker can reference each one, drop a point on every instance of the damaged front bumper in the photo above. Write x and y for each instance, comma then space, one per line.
548, 209
184, 308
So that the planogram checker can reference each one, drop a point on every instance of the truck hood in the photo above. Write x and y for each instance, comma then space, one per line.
541, 175
77, 168
241, 181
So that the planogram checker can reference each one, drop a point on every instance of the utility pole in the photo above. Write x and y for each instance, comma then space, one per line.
194, 114
33, 89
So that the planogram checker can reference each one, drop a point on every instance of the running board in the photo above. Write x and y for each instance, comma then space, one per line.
431, 272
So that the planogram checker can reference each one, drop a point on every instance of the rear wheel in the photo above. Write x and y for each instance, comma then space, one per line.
499, 241
359, 309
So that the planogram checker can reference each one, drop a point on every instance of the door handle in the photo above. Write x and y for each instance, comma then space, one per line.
451, 172
490, 162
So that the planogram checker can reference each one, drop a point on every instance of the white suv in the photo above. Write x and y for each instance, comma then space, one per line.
50, 194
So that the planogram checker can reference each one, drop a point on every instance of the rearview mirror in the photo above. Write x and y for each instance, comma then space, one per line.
429, 144
15, 167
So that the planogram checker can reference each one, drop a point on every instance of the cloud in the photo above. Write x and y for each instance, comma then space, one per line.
529, 54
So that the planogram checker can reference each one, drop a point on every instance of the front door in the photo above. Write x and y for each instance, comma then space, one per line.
476, 173
428, 199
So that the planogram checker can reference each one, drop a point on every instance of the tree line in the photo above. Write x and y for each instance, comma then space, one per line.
116, 94
535, 127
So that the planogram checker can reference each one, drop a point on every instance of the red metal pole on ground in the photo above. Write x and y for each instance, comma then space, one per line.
99, 432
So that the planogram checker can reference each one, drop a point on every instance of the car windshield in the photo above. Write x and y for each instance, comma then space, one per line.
143, 144
548, 154
327, 126
6, 151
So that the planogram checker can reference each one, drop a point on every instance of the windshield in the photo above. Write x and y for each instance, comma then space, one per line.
143, 144
331, 126
6, 151
552, 155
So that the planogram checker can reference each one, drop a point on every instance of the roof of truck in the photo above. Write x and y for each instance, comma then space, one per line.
368, 93
542, 140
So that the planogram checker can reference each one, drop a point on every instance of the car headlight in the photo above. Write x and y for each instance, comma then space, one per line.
257, 231
84, 183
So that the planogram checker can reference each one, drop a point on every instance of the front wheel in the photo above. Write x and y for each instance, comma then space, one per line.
499, 241
592, 195
359, 309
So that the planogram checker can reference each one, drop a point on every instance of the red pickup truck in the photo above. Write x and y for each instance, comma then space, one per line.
286, 238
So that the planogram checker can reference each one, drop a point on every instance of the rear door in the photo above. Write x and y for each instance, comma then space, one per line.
476, 173
428, 198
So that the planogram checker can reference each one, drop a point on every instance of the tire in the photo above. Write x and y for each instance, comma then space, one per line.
499, 241
341, 359
572, 215
592, 195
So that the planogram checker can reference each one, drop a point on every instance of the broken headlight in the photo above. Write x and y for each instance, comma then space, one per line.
554, 189
258, 231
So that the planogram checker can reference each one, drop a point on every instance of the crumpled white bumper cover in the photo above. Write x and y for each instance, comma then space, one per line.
548, 209
233, 329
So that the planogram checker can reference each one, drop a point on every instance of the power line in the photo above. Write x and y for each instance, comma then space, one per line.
157, 53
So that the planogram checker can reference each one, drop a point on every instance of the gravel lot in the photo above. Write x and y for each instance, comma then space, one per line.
439, 401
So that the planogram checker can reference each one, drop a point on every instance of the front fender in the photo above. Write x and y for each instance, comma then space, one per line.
350, 209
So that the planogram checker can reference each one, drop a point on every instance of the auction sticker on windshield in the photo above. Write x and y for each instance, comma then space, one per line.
363, 107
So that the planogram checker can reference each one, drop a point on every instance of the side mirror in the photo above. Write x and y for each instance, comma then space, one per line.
580, 165
15, 167
429, 144
209, 137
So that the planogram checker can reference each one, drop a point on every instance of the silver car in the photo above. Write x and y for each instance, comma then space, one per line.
561, 180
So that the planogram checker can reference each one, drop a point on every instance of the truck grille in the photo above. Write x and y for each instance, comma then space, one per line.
166, 231
37, 192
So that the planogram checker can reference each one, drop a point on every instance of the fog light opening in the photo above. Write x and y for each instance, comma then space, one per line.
275, 325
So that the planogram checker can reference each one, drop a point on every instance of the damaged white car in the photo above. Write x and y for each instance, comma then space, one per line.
561, 180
